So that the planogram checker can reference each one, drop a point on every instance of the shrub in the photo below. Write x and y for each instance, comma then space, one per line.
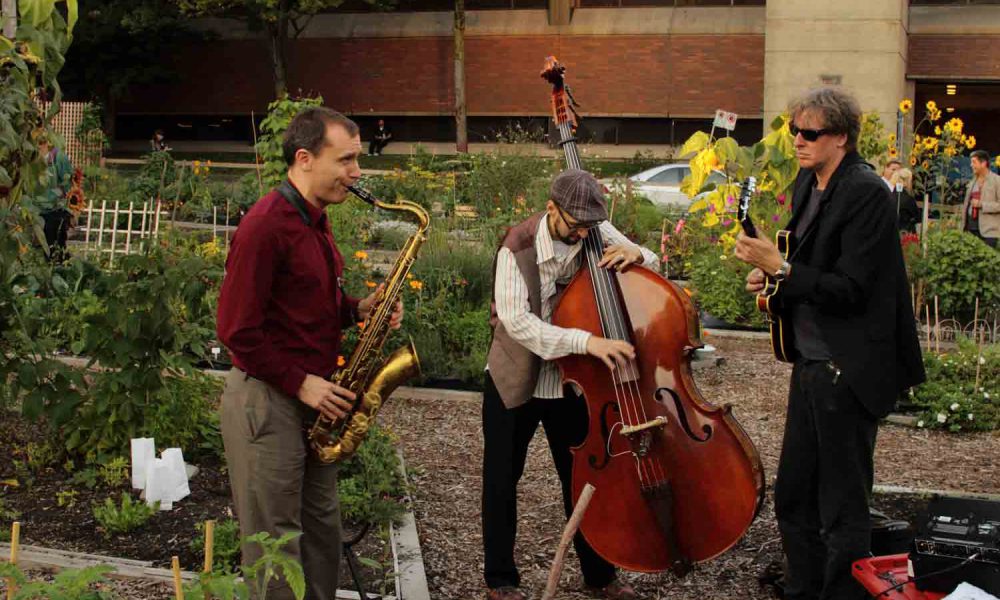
950, 400
719, 284
68, 584
959, 268
279, 115
129, 515
370, 485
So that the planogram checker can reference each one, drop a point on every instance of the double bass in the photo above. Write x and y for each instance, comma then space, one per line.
678, 481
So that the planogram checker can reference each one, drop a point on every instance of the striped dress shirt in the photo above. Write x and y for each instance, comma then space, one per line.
557, 263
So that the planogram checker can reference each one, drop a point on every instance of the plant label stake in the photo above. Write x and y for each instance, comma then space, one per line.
15, 536
175, 566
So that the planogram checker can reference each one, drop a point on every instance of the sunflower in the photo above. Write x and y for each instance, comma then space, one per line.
893, 153
913, 161
970, 142
931, 106
997, 162
905, 106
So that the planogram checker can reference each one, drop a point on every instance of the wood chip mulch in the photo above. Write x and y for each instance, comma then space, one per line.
442, 443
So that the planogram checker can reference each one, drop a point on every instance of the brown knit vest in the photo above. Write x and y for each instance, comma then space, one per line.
513, 367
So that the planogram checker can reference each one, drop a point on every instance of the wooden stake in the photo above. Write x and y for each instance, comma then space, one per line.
175, 566
937, 327
209, 544
927, 309
90, 223
128, 229
256, 156
979, 343
114, 233
663, 247
215, 223
15, 537
227, 223
571, 526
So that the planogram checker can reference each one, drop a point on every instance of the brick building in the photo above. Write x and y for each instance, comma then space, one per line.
644, 71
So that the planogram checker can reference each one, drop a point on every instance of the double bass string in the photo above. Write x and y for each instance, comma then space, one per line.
650, 470
629, 398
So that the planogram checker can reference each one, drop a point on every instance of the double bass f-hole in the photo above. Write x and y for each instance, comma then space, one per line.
682, 415
606, 429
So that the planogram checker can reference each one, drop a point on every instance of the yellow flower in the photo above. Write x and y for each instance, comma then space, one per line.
925, 165
970, 142
949, 152
417, 284
409, 275
905, 106
892, 138
931, 106
893, 152
934, 115
370, 284
341, 361
937, 130
197, 164
930, 143
997, 162
361, 255
955, 125
913, 161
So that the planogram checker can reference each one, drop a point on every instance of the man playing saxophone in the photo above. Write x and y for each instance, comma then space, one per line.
282, 309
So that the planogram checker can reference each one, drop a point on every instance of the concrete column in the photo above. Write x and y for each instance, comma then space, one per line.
862, 44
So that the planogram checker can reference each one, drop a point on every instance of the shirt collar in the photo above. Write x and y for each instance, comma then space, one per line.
543, 241
311, 215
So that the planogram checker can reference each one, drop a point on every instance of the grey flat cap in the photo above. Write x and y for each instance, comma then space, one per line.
579, 194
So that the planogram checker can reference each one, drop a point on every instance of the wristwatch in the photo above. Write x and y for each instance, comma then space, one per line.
782, 271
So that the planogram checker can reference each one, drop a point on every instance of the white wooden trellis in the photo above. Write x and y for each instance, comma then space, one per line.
65, 124
103, 235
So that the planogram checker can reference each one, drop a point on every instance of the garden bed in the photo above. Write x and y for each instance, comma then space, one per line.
57, 512
442, 441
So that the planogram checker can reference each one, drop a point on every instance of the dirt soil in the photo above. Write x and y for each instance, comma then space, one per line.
442, 443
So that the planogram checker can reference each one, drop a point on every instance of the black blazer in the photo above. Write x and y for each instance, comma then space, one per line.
849, 265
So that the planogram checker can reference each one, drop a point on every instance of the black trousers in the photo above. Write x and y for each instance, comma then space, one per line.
825, 477
56, 229
507, 434
377, 145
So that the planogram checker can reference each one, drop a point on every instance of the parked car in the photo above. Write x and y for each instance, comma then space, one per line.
662, 184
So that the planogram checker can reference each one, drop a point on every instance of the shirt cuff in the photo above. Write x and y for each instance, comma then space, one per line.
578, 339
292, 382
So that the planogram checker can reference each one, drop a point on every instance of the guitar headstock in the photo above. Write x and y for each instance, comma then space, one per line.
562, 100
743, 208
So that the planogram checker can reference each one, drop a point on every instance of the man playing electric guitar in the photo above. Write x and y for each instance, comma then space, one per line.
855, 344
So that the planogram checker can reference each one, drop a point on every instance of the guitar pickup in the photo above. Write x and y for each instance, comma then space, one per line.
660, 421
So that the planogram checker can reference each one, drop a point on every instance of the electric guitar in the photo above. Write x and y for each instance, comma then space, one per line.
768, 300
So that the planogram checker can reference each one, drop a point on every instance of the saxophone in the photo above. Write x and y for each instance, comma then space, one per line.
366, 374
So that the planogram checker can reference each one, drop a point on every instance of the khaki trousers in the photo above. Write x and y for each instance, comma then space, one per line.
278, 483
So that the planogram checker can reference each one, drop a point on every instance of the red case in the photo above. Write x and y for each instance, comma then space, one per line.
879, 573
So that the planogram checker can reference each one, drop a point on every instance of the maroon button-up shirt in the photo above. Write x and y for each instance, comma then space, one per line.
281, 308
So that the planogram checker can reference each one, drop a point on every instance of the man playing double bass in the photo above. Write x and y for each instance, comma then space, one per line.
523, 387
855, 341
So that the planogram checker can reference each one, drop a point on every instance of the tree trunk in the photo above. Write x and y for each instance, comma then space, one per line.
461, 131
278, 32
9, 11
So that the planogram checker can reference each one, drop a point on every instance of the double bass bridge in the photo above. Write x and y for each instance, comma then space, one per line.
644, 433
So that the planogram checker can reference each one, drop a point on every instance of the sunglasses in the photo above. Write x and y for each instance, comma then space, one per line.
809, 135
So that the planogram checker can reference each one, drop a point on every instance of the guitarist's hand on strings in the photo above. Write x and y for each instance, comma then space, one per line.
755, 281
759, 252
614, 353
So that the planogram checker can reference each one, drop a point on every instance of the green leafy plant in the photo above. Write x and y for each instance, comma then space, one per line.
68, 584
115, 472
86, 477
66, 498
226, 545
370, 486
128, 515
272, 563
957, 269
950, 398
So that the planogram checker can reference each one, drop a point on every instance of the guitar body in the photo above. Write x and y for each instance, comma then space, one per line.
769, 303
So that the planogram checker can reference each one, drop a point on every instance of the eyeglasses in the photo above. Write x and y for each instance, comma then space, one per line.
809, 135
575, 226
